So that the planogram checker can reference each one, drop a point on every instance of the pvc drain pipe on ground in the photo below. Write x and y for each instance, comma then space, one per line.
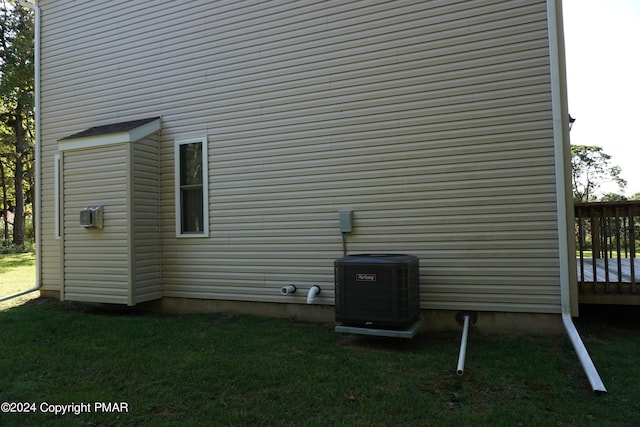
581, 351
463, 346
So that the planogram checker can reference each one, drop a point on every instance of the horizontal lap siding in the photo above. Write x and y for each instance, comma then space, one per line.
147, 277
96, 261
50, 244
430, 120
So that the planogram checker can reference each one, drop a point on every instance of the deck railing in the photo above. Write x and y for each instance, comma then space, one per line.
607, 241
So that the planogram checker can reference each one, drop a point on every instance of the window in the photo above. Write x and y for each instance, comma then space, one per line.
192, 193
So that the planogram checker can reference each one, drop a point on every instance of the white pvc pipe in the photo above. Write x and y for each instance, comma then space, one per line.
563, 178
463, 346
289, 289
313, 291
585, 360
17, 294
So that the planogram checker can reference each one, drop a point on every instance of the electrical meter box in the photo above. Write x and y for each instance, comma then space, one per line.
91, 217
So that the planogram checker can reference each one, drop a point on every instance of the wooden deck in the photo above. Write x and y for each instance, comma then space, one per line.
608, 229
617, 273
619, 286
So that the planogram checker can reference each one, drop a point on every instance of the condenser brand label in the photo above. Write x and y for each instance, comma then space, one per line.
365, 277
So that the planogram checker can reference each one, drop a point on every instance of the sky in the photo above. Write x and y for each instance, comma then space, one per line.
602, 43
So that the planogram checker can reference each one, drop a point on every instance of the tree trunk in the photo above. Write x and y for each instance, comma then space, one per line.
18, 219
3, 180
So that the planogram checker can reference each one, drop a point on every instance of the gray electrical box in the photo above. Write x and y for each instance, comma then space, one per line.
346, 218
91, 217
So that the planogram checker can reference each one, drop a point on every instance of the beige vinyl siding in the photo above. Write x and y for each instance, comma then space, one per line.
119, 263
96, 261
146, 250
430, 120
50, 244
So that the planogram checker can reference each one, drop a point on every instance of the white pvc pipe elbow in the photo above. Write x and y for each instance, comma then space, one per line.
313, 291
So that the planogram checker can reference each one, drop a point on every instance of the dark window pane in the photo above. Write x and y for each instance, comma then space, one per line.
192, 210
191, 164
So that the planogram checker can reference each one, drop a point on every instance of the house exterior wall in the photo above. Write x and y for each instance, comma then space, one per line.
95, 261
118, 262
430, 120
145, 226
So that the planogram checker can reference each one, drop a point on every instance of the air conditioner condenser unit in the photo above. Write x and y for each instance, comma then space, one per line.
377, 290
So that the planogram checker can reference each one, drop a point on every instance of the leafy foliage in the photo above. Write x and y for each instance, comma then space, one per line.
590, 168
16, 56
16, 113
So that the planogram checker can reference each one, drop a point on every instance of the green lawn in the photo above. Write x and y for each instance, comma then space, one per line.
612, 254
241, 370
232, 370
17, 273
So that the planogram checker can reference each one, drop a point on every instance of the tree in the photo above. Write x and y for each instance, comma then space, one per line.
6, 168
16, 100
613, 197
590, 168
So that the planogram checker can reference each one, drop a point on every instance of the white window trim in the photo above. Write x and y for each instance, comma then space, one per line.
205, 187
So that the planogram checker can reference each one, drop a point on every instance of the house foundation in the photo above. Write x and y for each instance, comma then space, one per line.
489, 322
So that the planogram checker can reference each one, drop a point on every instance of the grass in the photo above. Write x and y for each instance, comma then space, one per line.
232, 370
17, 273
241, 370
588, 253
612, 254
